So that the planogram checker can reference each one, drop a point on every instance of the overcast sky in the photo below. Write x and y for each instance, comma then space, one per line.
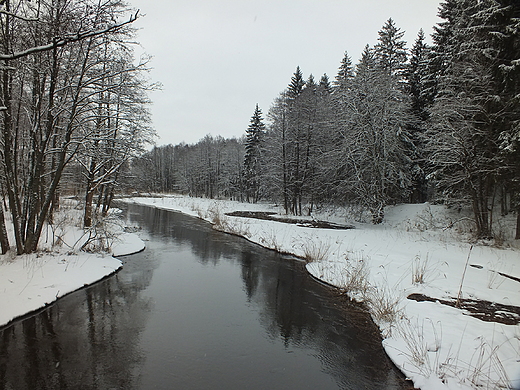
216, 59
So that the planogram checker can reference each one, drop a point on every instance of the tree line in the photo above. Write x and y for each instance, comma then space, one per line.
437, 122
73, 107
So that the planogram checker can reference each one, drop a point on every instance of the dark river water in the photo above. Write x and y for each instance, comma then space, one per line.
198, 309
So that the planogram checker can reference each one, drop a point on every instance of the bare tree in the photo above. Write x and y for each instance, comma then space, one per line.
46, 51
372, 153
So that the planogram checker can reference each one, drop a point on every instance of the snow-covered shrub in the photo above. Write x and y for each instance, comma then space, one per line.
357, 213
104, 232
198, 210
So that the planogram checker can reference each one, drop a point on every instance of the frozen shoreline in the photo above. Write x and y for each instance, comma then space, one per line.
437, 346
29, 283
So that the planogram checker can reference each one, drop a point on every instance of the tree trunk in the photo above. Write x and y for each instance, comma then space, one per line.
482, 207
517, 236
284, 168
107, 201
504, 210
9, 158
87, 217
4, 240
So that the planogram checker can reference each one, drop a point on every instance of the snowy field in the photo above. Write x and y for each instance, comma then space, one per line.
31, 282
422, 249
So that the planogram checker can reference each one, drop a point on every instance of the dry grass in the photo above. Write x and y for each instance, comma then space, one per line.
384, 305
484, 371
356, 281
315, 250
419, 270
270, 240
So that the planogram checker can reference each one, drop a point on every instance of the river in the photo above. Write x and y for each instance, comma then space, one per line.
198, 309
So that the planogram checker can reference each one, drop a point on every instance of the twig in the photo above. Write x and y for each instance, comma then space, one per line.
457, 304
7, 13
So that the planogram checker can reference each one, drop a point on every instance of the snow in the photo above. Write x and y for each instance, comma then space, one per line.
31, 282
127, 243
437, 346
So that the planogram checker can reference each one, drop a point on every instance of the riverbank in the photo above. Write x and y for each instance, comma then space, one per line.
420, 251
29, 283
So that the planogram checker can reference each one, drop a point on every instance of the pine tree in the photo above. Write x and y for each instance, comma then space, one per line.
252, 159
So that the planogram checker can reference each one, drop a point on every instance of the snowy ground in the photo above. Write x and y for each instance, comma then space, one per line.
421, 249
30, 282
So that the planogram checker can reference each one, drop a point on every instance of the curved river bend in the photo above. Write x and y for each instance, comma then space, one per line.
198, 309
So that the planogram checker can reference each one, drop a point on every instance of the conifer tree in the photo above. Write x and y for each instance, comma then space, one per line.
252, 159
390, 51
474, 107
297, 83
415, 76
345, 73
325, 84
292, 145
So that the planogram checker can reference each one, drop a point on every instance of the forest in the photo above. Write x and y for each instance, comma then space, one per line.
434, 122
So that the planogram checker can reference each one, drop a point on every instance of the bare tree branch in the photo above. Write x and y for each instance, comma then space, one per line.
62, 41
4, 12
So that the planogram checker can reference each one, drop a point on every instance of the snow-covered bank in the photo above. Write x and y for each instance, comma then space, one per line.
31, 282
420, 249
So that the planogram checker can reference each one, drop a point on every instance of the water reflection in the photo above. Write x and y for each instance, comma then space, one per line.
198, 309
77, 342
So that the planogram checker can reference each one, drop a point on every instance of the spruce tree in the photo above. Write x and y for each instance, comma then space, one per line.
324, 84
415, 75
474, 109
297, 83
391, 53
252, 159
345, 73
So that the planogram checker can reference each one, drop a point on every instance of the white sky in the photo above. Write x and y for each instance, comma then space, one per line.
217, 59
